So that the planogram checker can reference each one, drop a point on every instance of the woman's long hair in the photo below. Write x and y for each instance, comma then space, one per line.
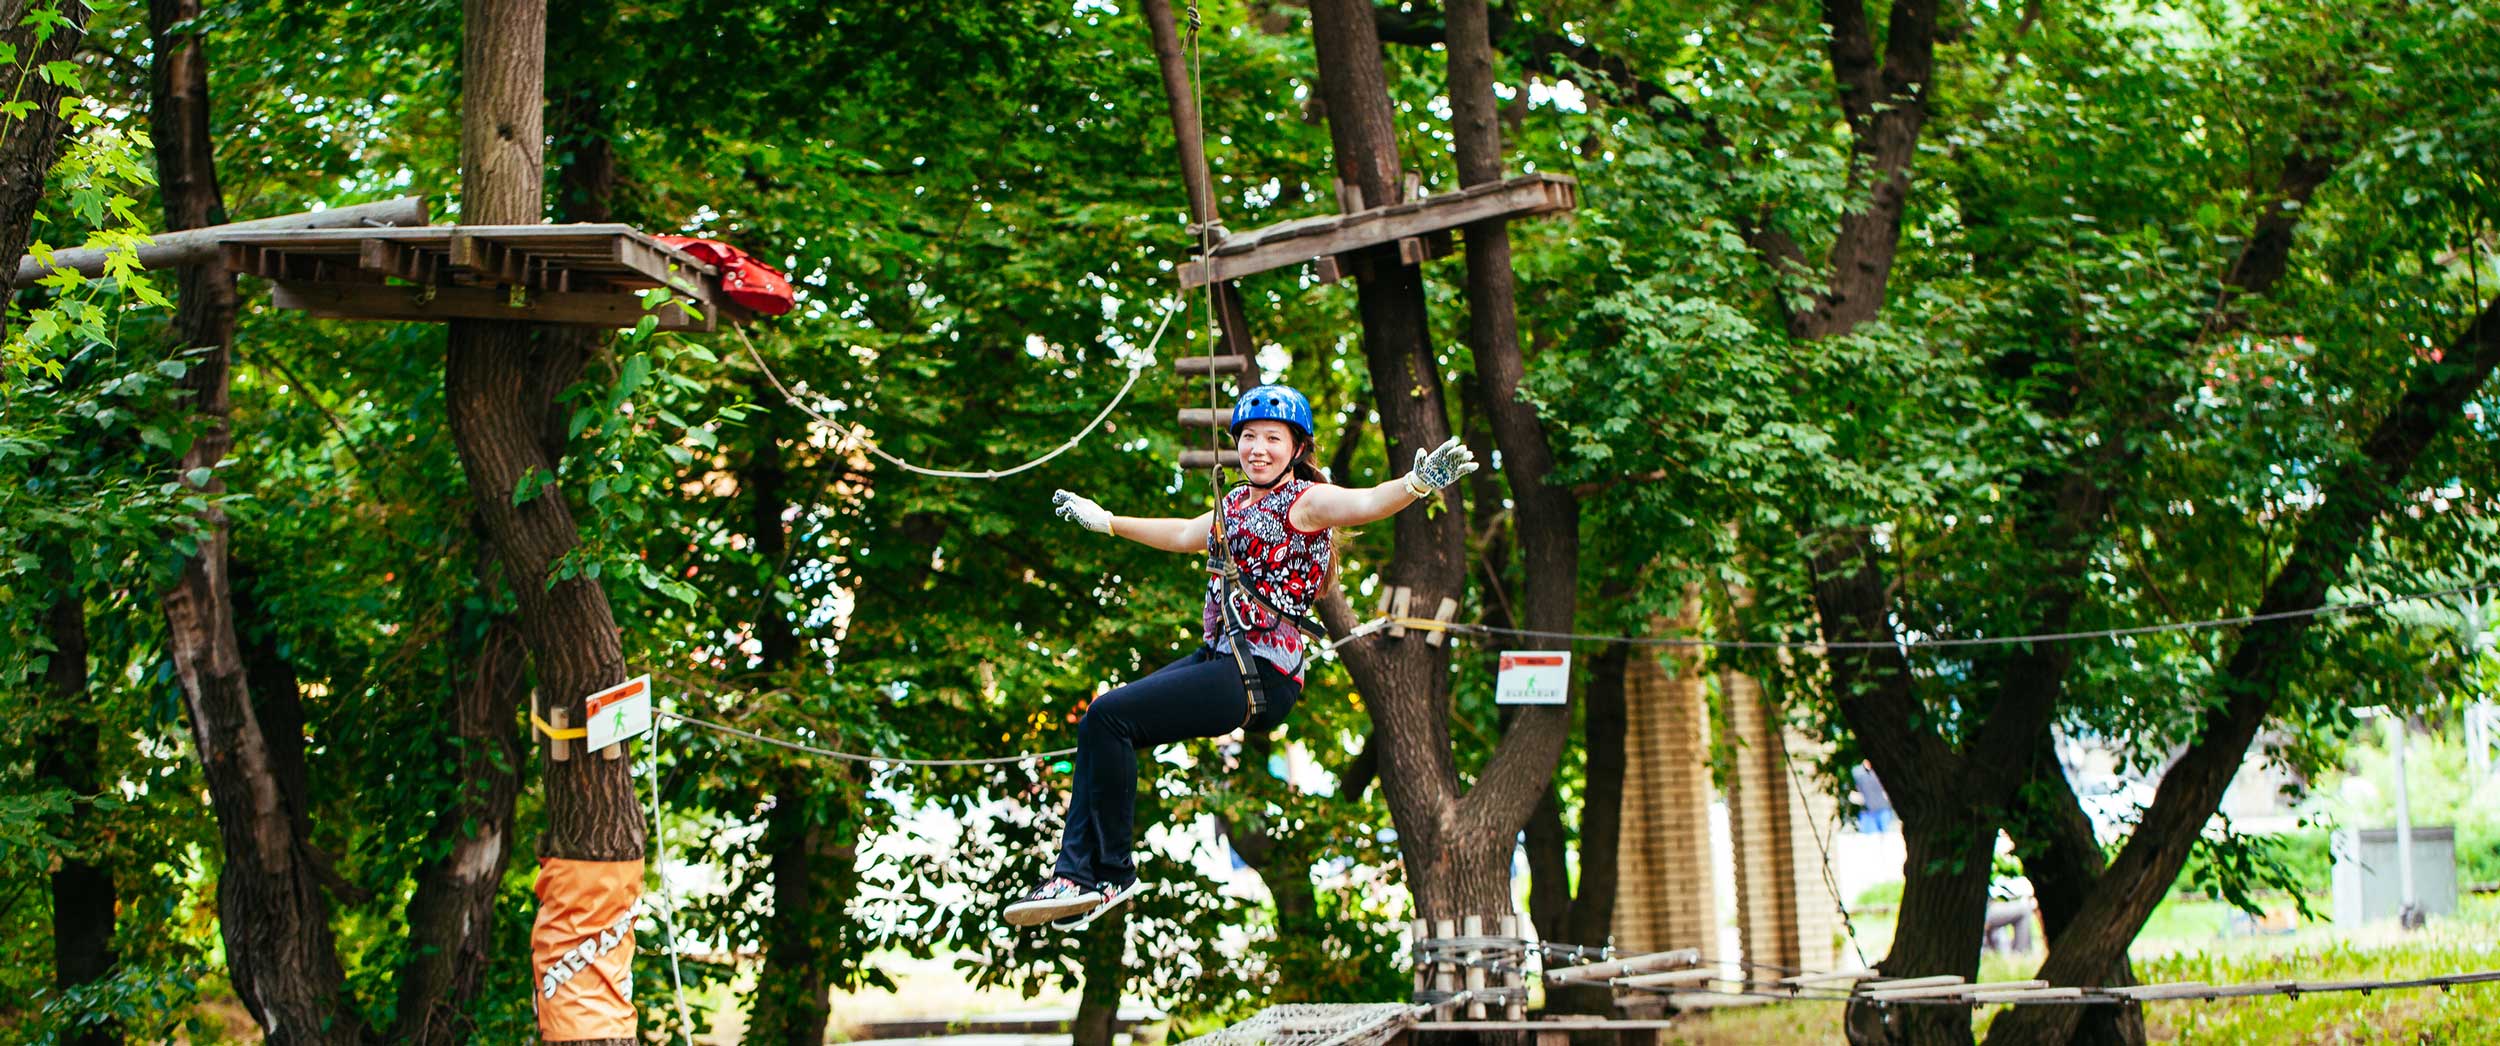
1304, 468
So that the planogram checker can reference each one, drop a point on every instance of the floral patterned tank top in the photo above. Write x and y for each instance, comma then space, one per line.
1285, 564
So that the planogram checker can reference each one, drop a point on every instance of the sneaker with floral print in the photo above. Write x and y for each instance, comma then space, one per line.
1057, 897
1112, 895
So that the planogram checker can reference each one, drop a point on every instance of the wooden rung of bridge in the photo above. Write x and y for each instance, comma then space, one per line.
1207, 417
1809, 980
1946, 991
1201, 366
1410, 227
1199, 459
1601, 972
1671, 978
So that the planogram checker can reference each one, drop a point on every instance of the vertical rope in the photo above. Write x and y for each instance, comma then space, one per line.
666, 913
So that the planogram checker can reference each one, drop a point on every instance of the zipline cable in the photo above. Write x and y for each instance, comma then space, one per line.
1373, 627
858, 431
1813, 646
795, 746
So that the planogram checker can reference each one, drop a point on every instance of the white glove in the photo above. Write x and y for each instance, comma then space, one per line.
1091, 516
1439, 467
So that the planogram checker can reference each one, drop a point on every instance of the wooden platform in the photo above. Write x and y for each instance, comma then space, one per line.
582, 275
1419, 227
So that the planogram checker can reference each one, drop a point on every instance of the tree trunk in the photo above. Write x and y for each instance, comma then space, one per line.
1548, 845
2262, 664
84, 894
810, 836
33, 142
1605, 722
279, 949
1404, 681
1105, 961
1283, 863
1547, 515
494, 378
2062, 858
451, 916
1947, 900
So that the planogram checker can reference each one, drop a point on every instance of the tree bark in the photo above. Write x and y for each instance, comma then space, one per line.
279, 949
2261, 665
34, 142
494, 381
84, 894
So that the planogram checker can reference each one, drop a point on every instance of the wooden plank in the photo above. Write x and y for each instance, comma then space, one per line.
2176, 990
593, 246
1941, 991
1601, 971
1516, 198
1200, 366
1198, 459
1835, 977
1423, 932
1668, 979
1443, 614
2025, 995
1207, 417
1349, 197
1444, 975
1473, 926
1915, 982
1517, 1007
428, 304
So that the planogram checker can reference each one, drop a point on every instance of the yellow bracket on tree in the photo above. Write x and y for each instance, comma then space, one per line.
554, 734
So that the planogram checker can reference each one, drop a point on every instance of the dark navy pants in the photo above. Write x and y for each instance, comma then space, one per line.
1199, 695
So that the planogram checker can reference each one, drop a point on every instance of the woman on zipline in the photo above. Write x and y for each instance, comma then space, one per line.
1276, 530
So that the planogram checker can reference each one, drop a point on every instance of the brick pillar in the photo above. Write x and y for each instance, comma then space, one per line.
1666, 899
1785, 912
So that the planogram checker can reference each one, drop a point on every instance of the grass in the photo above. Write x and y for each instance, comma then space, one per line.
2185, 942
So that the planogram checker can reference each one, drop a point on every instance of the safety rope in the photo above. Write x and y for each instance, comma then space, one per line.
666, 914
1822, 845
1229, 585
859, 432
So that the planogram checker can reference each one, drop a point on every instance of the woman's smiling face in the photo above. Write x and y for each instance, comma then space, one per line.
1267, 449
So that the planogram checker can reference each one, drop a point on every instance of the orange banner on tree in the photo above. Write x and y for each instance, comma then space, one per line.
582, 948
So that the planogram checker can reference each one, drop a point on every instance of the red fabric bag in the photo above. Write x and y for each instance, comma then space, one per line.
745, 280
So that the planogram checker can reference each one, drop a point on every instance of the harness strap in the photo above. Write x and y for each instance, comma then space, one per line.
1237, 634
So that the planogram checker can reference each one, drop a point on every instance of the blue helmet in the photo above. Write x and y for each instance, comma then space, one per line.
1273, 403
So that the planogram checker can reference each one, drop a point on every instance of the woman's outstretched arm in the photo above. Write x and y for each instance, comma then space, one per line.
1327, 505
1170, 535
